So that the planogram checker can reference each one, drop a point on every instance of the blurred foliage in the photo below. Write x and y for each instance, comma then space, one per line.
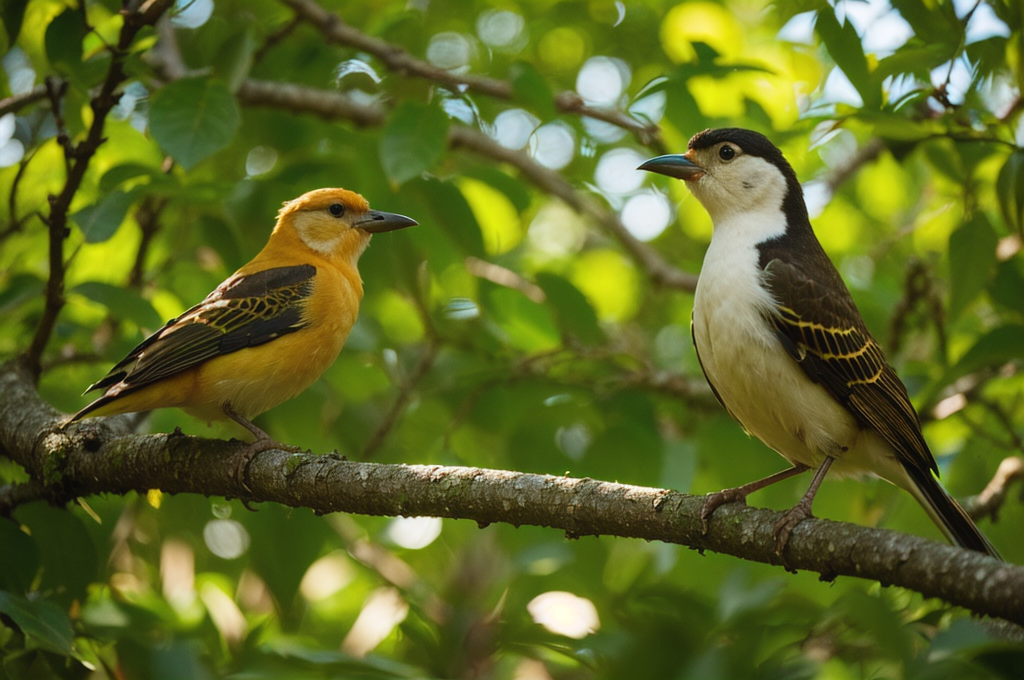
905, 122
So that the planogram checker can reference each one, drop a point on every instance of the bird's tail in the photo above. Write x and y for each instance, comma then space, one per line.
947, 513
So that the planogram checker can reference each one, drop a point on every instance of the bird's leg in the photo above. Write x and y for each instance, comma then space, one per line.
739, 494
801, 511
263, 442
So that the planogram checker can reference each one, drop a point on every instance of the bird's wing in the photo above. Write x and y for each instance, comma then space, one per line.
714, 390
823, 331
245, 311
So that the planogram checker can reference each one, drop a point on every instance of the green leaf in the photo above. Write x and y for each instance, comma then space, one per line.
413, 141
572, 310
451, 213
531, 89
19, 288
525, 325
66, 549
235, 57
46, 623
194, 118
972, 261
1007, 285
1001, 345
1010, 190
12, 13
119, 174
513, 188
931, 22
124, 303
19, 560
845, 48
64, 38
100, 221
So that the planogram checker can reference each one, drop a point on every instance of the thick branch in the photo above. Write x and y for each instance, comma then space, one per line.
399, 61
101, 457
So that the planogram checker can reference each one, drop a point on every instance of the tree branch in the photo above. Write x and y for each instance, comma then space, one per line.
101, 456
399, 61
425, 363
78, 157
335, 105
20, 101
991, 499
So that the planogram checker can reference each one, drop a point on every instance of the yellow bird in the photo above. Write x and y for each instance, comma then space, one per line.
266, 333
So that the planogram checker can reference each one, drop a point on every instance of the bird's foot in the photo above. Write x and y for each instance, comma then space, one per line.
789, 520
244, 458
713, 500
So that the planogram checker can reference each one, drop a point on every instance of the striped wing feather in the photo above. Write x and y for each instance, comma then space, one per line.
824, 332
244, 311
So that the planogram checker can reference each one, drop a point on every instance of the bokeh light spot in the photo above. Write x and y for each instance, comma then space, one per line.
565, 614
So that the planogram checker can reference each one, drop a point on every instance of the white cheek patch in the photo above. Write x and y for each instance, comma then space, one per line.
311, 231
747, 185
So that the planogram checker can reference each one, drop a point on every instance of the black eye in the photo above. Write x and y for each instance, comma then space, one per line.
727, 153
337, 209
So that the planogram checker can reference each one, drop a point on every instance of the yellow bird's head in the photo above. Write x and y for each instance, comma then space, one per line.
336, 223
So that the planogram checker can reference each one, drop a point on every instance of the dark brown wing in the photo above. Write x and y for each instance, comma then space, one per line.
821, 328
244, 311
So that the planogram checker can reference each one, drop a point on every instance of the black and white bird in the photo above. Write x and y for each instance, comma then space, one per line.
782, 344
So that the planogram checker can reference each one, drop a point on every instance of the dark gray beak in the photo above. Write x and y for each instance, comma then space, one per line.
674, 165
375, 221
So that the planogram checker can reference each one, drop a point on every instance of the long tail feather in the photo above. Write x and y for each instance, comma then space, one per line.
948, 514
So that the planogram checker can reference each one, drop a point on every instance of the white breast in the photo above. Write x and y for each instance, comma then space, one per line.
760, 384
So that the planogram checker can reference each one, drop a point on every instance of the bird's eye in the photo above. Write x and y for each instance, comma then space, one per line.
727, 153
337, 209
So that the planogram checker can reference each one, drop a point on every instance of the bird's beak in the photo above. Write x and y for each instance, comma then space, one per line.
674, 165
375, 221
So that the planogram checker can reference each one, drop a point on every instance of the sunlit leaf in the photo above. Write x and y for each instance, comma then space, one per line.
100, 221
574, 313
1010, 190
193, 118
845, 48
123, 303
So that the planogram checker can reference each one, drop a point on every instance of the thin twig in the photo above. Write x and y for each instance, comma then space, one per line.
13, 495
82, 154
16, 223
504, 277
661, 273
148, 218
275, 37
426, 361
17, 102
991, 499
864, 155
399, 61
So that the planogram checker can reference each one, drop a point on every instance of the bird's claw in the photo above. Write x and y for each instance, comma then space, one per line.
245, 457
784, 527
713, 500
